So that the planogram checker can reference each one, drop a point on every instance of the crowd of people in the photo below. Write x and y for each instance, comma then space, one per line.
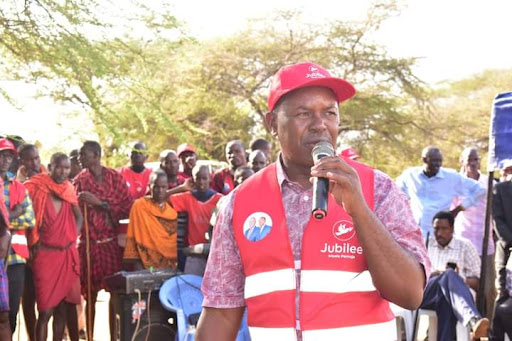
47, 210
450, 208
64, 228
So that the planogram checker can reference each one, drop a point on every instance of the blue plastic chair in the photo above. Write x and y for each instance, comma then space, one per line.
182, 295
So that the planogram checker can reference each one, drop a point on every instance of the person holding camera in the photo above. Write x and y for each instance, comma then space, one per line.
455, 272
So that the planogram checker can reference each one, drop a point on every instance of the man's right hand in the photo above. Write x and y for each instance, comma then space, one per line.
16, 212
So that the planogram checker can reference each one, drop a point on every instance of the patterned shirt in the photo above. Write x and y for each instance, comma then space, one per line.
458, 250
25, 221
430, 195
223, 284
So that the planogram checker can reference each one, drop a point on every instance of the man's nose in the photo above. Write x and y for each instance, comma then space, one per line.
318, 122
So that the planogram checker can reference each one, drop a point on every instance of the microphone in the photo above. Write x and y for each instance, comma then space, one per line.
321, 185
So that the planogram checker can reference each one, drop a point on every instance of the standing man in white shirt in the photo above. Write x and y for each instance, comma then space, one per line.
470, 223
432, 188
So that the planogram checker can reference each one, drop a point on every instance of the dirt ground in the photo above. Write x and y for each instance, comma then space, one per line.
101, 332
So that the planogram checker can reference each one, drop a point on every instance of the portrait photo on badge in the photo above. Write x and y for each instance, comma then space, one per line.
257, 226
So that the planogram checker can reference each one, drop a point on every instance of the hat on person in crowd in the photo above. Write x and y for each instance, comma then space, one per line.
305, 74
185, 147
350, 153
506, 164
5, 144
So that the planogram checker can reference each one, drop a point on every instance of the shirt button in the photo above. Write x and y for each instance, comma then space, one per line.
306, 198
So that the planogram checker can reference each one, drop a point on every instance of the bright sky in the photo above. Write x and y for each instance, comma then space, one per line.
454, 39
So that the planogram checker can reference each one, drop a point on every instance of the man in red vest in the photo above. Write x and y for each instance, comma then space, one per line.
329, 279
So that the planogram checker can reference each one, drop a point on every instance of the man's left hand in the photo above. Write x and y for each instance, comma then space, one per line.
89, 198
344, 182
456, 210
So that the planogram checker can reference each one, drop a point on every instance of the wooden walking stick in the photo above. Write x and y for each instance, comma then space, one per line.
88, 274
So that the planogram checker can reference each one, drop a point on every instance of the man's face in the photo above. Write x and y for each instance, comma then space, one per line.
60, 170
433, 162
266, 150
262, 221
31, 160
471, 161
6, 157
507, 173
170, 164
75, 167
258, 162
139, 154
202, 180
87, 158
188, 160
246, 174
235, 154
443, 231
159, 188
305, 116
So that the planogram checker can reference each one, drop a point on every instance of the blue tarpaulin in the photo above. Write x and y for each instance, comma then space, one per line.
500, 135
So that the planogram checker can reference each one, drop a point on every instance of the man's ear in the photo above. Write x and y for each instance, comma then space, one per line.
271, 122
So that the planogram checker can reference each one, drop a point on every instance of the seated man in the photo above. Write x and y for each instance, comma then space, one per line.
455, 269
151, 236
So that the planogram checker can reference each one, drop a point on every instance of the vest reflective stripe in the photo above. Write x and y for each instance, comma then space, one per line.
385, 331
335, 281
337, 292
18, 239
271, 281
19, 243
268, 334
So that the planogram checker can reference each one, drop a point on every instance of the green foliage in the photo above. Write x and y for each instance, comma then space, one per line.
140, 77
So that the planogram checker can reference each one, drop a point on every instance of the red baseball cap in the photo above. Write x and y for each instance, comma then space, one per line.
350, 153
5, 144
301, 75
185, 147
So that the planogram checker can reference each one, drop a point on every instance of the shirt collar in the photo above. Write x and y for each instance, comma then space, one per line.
281, 174
439, 174
451, 245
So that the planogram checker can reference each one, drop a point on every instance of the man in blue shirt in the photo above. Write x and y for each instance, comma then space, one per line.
431, 189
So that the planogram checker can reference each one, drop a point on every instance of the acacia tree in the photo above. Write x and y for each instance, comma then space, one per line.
239, 67
77, 49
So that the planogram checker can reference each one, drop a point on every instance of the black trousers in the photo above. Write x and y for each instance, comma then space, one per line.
502, 255
16, 277
502, 321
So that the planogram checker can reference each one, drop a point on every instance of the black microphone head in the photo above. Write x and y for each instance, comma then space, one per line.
322, 149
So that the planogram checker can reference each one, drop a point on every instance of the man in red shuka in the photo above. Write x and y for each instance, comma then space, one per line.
108, 200
56, 265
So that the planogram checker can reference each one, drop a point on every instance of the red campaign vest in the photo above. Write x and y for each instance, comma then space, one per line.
337, 297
